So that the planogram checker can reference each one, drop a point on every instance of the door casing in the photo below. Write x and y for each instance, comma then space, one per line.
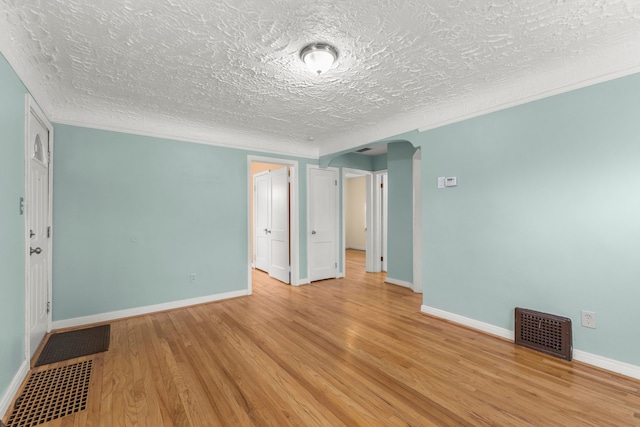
294, 215
368, 217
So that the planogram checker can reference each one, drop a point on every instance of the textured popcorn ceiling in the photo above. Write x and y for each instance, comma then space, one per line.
227, 71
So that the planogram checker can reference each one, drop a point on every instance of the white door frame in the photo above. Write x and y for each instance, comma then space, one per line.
294, 214
417, 221
337, 218
368, 217
32, 107
376, 251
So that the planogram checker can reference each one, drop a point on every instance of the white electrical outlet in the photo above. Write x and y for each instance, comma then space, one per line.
192, 277
588, 319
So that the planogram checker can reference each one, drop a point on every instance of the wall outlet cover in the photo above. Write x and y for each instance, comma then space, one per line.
588, 319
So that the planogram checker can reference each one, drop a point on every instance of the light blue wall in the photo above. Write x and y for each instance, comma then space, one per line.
400, 211
380, 162
134, 216
12, 321
546, 214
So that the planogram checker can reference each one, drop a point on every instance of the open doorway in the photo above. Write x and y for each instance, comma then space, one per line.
357, 215
272, 212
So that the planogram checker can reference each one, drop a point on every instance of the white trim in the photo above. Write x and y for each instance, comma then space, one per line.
417, 220
457, 115
397, 282
137, 311
612, 365
13, 388
30, 105
196, 134
348, 173
304, 281
294, 215
379, 222
466, 321
611, 64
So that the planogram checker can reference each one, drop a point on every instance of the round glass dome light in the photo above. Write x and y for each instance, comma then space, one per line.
318, 57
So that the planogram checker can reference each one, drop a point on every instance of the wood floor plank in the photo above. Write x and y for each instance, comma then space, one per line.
353, 351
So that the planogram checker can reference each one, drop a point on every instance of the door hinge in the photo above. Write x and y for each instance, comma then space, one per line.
381, 185
381, 258
335, 264
336, 182
49, 231
48, 306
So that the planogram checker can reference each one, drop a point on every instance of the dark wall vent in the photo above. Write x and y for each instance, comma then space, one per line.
544, 332
363, 150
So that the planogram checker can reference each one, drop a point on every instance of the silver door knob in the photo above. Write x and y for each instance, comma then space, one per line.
313, 231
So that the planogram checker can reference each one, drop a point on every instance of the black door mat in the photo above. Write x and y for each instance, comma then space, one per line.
72, 344
51, 394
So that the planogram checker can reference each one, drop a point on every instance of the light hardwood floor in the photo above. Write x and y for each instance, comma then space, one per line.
350, 352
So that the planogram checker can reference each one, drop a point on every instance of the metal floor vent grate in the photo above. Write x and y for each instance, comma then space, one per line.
544, 332
52, 394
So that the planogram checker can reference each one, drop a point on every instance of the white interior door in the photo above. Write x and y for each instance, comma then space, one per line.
323, 223
384, 191
261, 220
37, 200
278, 231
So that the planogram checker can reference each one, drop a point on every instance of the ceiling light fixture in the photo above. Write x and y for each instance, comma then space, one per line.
319, 57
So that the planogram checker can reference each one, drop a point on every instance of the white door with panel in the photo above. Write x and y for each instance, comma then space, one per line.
323, 223
37, 200
384, 197
278, 233
261, 220
271, 223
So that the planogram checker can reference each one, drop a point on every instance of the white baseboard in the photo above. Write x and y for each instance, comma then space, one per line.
466, 321
612, 365
357, 248
399, 282
114, 315
13, 388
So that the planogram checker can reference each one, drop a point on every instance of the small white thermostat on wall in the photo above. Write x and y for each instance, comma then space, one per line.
451, 181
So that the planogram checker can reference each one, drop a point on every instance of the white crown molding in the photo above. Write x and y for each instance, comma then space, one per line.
612, 365
190, 133
13, 388
138, 311
609, 63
